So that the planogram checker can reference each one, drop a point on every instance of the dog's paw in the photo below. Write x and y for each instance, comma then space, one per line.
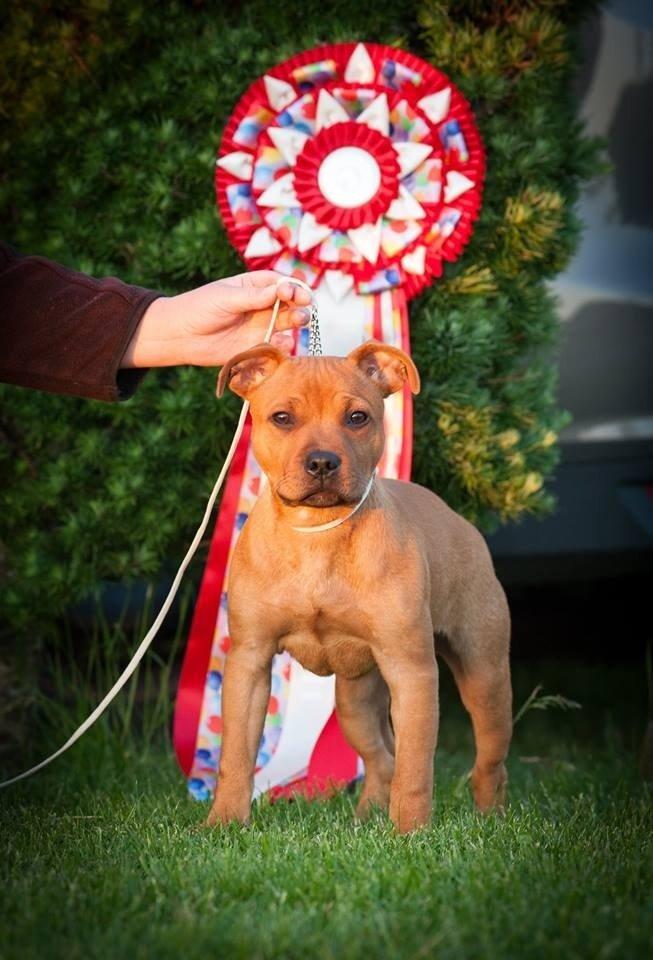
366, 808
489, 789
224, 811
411, 812
373, 798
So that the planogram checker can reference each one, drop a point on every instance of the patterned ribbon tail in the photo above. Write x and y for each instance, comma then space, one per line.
302, 748
357, 168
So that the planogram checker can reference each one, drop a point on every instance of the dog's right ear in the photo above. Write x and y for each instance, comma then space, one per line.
247, 370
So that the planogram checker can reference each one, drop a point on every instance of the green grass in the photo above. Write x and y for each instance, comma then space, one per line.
102, 856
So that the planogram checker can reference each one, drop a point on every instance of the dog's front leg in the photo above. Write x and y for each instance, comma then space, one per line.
413, 684
245, 696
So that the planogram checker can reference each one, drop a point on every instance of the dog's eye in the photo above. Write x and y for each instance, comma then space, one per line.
281, 418
357, 418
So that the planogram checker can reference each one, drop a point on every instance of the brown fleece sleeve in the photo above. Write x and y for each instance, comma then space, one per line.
64, 332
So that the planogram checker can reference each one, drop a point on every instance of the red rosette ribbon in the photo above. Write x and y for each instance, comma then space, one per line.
358, 158
317, 152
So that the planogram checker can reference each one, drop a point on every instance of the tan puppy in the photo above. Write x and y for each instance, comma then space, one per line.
371, 600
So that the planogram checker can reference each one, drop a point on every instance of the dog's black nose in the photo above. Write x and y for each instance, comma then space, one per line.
321, 463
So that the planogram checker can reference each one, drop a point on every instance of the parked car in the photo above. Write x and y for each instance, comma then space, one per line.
604, 484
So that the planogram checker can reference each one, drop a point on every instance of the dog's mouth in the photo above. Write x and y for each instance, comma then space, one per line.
316, 498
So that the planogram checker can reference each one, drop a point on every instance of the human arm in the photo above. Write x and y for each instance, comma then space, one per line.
65, 332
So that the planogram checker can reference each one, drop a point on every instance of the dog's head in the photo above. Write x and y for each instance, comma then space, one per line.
318, 421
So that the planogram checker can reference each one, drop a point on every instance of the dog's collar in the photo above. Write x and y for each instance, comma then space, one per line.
336, 523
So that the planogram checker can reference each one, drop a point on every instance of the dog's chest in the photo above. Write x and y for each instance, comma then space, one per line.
329, 630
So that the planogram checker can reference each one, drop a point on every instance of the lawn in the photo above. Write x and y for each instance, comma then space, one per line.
102, 856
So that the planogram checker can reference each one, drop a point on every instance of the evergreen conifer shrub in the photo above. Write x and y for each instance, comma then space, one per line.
111, 116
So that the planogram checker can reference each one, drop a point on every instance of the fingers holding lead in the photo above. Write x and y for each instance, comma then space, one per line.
290, 318
288, 293
291, 292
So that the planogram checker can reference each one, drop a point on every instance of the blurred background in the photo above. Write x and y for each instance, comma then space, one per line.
579, 579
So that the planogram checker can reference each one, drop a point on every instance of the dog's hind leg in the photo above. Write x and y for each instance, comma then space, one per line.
363, 707
482, 674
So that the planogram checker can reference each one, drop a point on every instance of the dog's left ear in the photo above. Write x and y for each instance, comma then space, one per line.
389, 367
246, 370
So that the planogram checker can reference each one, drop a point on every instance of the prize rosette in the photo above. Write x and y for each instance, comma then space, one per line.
359, 169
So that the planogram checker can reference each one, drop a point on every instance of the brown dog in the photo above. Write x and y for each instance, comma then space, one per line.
371, 600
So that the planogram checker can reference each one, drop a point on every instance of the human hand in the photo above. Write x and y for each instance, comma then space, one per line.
210, 324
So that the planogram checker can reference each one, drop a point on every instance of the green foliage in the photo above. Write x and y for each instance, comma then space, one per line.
112, 114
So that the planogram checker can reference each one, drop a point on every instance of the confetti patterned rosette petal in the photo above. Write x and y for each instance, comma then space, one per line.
359, 169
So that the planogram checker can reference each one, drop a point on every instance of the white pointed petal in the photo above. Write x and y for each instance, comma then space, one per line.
367, 240
415, 261
311, 233
397, 235
238, 164
405, 207
288, 141
262, 244
338, 283
280, 93
280, 193
329, 111
410, 155
360, 68
436, 105
377, 115
456, 185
